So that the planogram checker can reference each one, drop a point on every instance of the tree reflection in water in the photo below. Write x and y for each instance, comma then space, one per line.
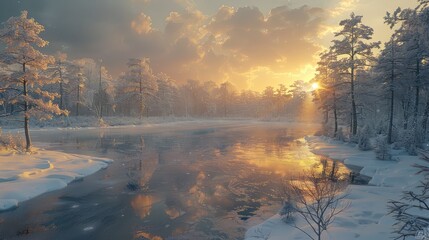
193, 182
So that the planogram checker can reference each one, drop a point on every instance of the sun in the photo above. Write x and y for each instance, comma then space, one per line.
315, 86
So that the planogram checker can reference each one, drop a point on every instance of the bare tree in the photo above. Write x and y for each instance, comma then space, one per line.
318, 199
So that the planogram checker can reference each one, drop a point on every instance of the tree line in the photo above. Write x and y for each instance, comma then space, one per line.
387, 92
35, 85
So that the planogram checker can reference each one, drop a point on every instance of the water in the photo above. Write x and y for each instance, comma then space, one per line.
206, 180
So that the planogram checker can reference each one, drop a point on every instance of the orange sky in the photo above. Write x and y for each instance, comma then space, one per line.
258, 43
251, 43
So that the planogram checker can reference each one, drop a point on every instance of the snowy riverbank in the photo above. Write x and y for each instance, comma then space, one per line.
25, 176
74, 122
367, 217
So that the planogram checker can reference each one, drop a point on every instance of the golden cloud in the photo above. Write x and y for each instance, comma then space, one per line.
142, 24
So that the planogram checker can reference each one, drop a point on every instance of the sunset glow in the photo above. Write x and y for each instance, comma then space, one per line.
252, 44
214, 119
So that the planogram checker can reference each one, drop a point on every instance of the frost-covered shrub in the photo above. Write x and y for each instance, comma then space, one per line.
364, 135
382, 148
410, 139
381, 127
11, 142
288, 211
102, 123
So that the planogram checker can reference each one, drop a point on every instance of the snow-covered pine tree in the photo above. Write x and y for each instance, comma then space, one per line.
355, 52
27, 64
59, 68
328, 95
138, 83
76, 85
226, 95
364, 135
166, 94
388, 69
382, 148
413, 34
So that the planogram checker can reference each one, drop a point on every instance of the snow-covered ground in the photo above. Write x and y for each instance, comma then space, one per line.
367, 217
25, 176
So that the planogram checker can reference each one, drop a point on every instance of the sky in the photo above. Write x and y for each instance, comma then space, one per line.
250, 43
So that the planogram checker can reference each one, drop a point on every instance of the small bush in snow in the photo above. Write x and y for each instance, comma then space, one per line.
12, 142
364, 135
382, 148
288, 211
102, 123
410, 141
380, 127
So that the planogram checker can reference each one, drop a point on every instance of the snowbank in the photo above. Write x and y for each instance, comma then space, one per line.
25, 176
367, 217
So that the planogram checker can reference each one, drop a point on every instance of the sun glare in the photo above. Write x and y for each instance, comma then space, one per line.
315, 86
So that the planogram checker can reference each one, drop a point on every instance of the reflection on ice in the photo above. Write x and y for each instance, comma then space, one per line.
193, 182
142, 204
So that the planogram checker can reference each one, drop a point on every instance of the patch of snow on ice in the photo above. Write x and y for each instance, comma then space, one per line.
25, 176
88, 229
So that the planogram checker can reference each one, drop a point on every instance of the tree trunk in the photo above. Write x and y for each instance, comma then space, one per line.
416, 106
406, 107
354, 113
389, 134
425, 119
392, 95
335, 116
417, 97
78, 99
319, 232
61, 88
100, 99
141, 96
26, 117
326, 118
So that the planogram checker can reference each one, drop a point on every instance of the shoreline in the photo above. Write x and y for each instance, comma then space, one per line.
119, 122
367, 217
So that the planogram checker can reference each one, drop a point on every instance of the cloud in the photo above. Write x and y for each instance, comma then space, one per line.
237, 44
187, 24
344, 6
142, 24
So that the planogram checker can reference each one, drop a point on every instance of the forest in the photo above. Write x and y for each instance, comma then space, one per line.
369, 101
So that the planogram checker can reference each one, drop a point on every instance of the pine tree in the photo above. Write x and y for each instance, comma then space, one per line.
139, 82
165, 94
329, 79
21, 36
356, 52
388, 70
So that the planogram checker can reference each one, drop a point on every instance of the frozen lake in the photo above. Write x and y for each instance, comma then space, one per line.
191, 180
